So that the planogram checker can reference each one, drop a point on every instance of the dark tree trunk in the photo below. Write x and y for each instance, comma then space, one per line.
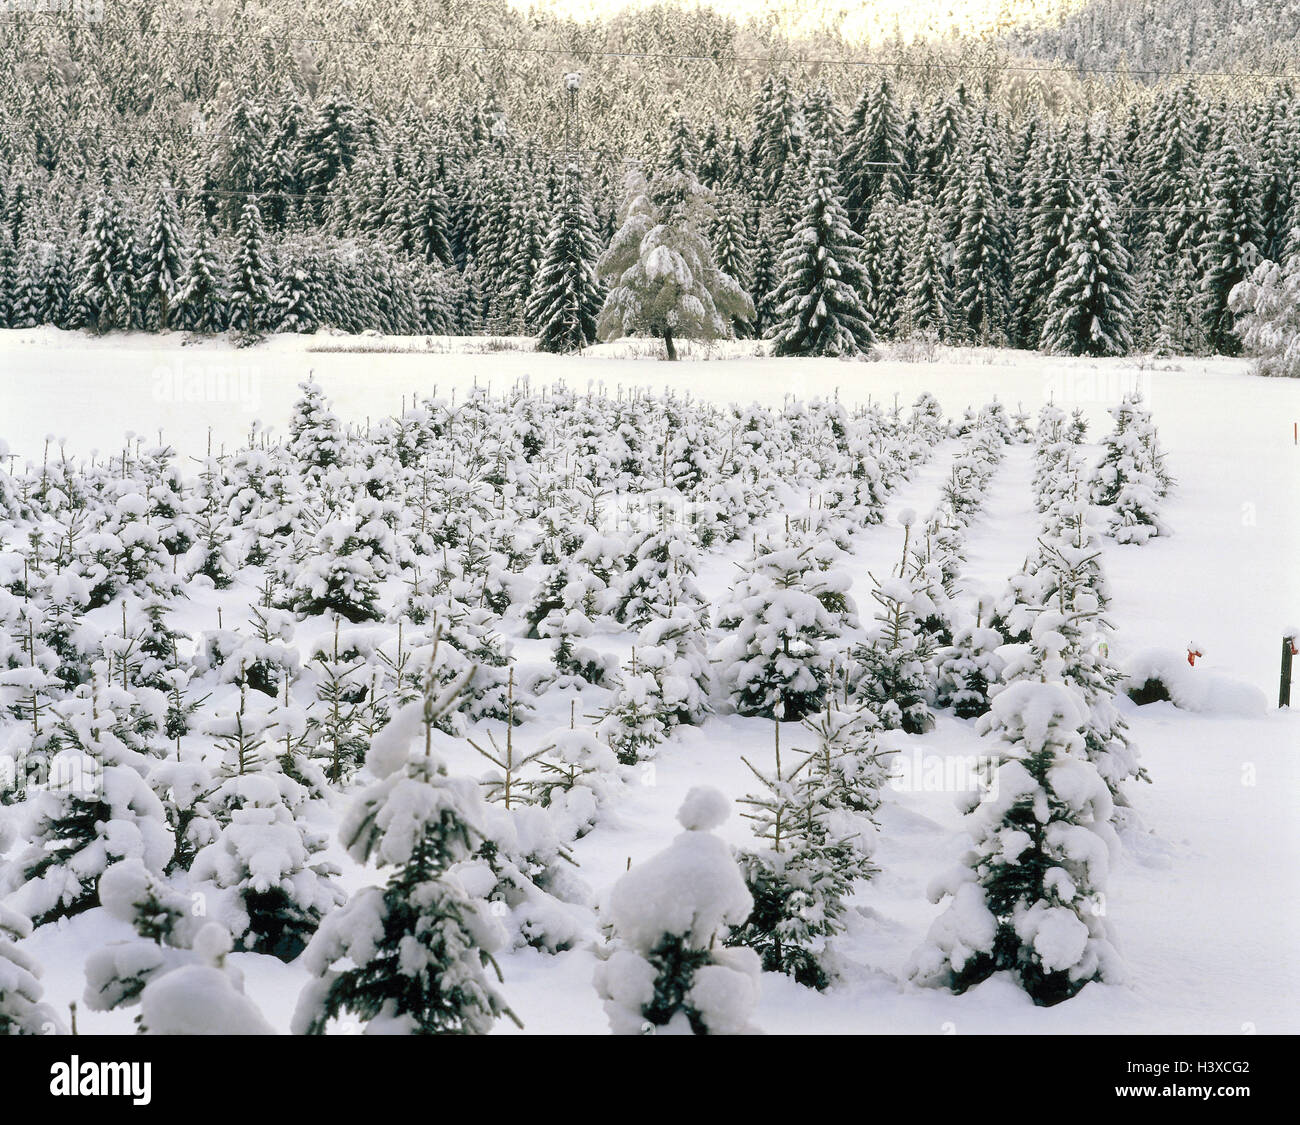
668, 343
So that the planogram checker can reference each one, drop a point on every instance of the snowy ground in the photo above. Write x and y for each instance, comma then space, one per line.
1206, 902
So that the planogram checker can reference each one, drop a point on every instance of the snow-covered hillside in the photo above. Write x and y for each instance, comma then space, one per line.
1200, 899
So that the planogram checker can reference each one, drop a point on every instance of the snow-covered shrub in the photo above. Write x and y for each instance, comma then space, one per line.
408, 957
778, 623
175, 970
1030, 896
669, 972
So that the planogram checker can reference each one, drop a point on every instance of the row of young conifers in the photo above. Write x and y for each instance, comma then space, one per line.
182, 773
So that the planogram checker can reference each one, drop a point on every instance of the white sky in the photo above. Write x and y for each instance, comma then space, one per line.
866, 21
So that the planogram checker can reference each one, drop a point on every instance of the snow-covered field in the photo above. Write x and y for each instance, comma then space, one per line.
1204, 899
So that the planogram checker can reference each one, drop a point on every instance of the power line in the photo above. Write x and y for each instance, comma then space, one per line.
1073, 69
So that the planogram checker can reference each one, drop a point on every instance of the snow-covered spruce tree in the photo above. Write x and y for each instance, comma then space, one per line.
315, 436
849, 769
1131, 478
294, 300
981, 257
890, 675
1070, 642
1267, 311
967, 668
733, 249
873, 161
927, 288
1042, 249
268, 890
1231, 246
633, 722
566, 295
1090, 308
669, 972
200, 300
885, 253
568, 599
801, 874
250, 286
773, 658
104, 294
660, 577
1030, 896
22, 1011
663, 279
820, 299
160, 269
673, 650
408, 957
340, 577
95, 806
174, 970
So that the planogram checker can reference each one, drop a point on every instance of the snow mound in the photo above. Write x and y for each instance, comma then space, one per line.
1157, 674
703, 810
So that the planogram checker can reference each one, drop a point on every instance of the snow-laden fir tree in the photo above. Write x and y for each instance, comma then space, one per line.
981, 256
1131, 478
927, 288
1267, 311
669, 972
340, 577
175, 969
1230, 249
967, 668
315, 436
1043, 246
106, 268
1029, 898
820, 299
890, 674
663, 278
294, 310
271, 886
161, 269
94, 808
408, 957
872, 163
733, 249
250, 286
885, 253
778, 624
567, 294
1090, 308
200, 301
660, 577
634, 721
802, 871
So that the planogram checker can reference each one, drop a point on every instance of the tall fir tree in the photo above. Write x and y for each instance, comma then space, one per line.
200, 302
567, 294
104, 293
872, 164
163, 251
1090, 309
251, 291
820, 309
1231, 247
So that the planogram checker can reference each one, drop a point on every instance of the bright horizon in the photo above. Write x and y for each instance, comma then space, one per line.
866, 23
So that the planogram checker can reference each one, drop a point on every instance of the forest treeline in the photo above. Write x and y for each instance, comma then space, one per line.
404, 168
